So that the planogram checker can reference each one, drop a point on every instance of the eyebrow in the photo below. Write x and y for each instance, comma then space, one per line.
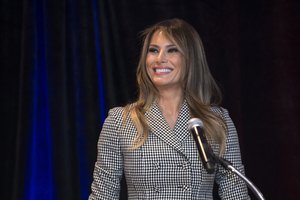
169, 45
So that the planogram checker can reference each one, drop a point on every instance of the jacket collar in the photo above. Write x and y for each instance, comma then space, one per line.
159, 126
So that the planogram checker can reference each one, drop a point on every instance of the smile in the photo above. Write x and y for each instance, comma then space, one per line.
162, 70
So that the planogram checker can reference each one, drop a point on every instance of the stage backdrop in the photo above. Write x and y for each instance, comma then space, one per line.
65, 63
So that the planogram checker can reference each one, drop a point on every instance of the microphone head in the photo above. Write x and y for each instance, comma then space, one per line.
194, 122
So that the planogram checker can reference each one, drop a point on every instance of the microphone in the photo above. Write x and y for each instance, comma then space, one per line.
209, 159
195, 126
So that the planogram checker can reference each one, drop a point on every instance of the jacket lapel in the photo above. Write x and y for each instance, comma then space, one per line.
161, 129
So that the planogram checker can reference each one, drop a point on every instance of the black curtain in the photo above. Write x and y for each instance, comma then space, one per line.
65, 63
55, 99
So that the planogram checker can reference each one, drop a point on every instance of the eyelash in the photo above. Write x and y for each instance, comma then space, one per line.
155, 50
173, 50
152, 50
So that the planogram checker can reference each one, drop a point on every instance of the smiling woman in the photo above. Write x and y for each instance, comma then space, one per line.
149, 140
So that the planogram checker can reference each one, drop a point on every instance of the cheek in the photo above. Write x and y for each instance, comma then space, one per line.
179, 64
148, 61
181, 68
148, 65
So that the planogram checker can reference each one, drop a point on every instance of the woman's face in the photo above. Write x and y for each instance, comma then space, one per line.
164, 62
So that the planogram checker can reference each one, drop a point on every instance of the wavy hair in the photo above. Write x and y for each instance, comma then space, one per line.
200, 89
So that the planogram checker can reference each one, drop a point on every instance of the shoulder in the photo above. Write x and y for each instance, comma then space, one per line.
116, 111
120, 110
222, 112
119, 126
116, 114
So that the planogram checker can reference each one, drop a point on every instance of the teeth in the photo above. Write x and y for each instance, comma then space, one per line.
162, 70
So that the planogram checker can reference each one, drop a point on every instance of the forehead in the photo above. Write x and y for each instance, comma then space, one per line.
161, 36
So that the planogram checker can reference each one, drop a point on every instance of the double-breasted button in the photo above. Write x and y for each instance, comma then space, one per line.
157, 165
184, 165
184, 187
156, 189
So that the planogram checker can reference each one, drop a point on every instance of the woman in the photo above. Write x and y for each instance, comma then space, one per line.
149, 140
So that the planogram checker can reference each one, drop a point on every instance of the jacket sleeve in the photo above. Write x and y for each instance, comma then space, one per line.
230, 185
109, 165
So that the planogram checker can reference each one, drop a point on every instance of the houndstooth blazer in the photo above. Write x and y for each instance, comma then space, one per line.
167, 166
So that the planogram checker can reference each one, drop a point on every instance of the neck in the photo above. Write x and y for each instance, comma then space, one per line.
170, 104
170, 100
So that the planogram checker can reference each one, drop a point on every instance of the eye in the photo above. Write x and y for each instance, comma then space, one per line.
153, 50
173, 50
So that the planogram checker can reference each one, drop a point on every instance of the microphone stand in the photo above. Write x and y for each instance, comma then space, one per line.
228, 166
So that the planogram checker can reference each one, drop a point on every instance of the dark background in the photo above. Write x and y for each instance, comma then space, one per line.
64, 63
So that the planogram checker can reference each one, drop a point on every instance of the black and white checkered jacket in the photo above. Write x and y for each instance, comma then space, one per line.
167, 166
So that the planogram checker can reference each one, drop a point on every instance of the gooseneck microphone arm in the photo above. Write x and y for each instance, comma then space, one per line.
228, 166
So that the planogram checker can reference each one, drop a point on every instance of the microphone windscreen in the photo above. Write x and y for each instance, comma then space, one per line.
194, 122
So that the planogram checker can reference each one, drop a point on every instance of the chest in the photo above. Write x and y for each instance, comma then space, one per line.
157, 164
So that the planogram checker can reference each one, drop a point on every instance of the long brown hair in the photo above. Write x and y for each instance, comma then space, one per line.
200, 89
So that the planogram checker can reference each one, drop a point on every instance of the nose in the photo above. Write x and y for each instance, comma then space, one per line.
162, 57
